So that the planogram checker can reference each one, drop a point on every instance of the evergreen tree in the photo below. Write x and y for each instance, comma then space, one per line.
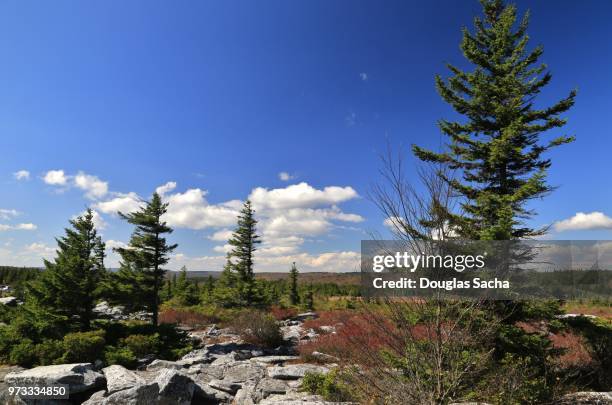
226, 291
244, 242
294, 297
497, 151
68, 287
309, 298
141, 271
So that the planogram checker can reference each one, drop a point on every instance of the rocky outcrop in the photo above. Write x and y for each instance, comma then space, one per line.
79, 377
295, 371
119, 378
586, 398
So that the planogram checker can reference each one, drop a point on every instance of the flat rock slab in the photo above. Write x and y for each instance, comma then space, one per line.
298, 398
295, 371
586, 398
145, 394
273, 359
80, 377
120, 378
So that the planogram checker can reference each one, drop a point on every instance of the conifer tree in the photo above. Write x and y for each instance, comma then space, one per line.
309, 298
68, 287
497, 150
244, 243
141, 271
294, 297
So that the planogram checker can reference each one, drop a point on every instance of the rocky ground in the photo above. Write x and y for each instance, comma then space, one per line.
224, 371
227, 371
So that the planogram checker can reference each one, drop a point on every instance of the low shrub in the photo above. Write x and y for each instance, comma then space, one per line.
186, 317
258, 328
82, 347
49, 352
329, 386
141, 345
23, 354
120, 355
280, 313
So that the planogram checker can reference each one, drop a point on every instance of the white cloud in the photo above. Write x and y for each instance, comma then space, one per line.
7, 214
584, 221
124, 203
94, 187
18, 227
223, 248
55, 178
221, 235
363, 76
284, 176
300, 195
275, 261
169, 186
113, 244
191, 210
22, 175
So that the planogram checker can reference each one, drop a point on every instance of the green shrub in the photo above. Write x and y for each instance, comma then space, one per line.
49, 352
83, 346
141, 345
119, 355
23, 354
258, 328
327, 385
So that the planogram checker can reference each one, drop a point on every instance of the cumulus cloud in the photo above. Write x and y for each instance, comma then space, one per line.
276, 261
55, 178
94, 187
363, 76
98, 221
191, 210
584, 221
221, 235
8, 213
124, 203
300, 195
284, 176
22, 175
18, 227
169, 186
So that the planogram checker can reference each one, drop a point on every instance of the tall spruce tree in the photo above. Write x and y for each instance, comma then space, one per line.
141, 273
497, 150
294, 296
68, 287
244, 243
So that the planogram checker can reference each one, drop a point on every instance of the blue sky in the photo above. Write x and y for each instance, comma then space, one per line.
119, 98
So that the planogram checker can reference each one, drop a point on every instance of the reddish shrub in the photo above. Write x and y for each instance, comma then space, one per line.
358, 339
576, 353
188, 318
282, 313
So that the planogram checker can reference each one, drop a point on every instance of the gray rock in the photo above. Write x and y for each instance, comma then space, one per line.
80, 377
245, 395
160, 364
273, 359
204, 392
119, 378
586, 398
305, 315
145, 394
297, 398
292, 332
269, 386
295, 371
9, 301
244, 372
226, 386
175, 388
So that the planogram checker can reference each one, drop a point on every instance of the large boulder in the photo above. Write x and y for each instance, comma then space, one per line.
162, 364
144, 394
79, 377
298, 398
175, 388
586, 398
295, 371
119, 378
